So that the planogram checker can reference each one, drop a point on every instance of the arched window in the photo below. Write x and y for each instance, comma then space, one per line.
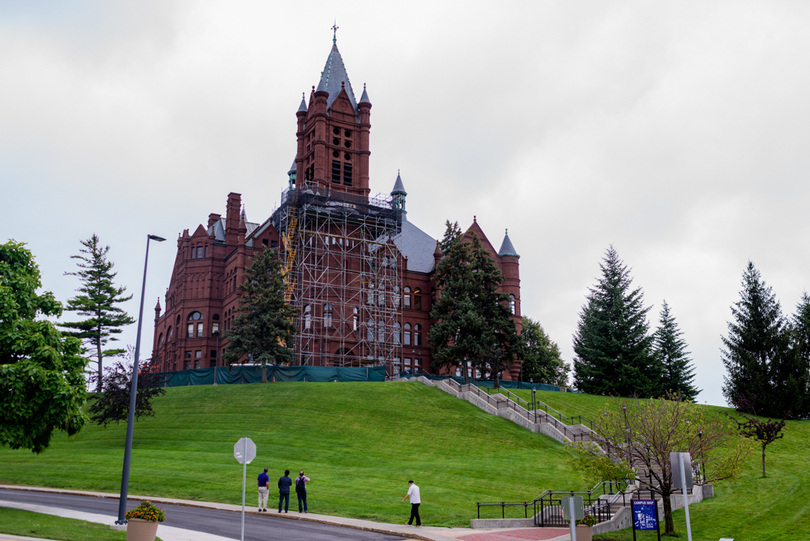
307, 317
169, 334
370, 332
381, 295
178, 320
407, 298
215, 324
381, 331
160, 340
396, 297
397, 333
512, 304
407, 340
371, 292
417, 299
327, 316
417, 335
355, 319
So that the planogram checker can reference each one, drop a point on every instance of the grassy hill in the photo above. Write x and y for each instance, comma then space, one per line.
361, 442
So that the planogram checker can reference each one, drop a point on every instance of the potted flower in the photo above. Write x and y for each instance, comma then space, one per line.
585, 528
142, 522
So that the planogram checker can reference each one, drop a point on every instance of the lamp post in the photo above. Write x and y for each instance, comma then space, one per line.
534, 402
122, 502
702, 463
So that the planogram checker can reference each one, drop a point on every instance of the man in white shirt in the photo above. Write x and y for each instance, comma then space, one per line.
413, 493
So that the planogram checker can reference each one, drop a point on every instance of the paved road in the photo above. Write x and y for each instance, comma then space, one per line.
219, 522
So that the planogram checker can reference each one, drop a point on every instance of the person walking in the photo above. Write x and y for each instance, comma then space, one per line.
284, 484
264, 490
301, 490
413, 493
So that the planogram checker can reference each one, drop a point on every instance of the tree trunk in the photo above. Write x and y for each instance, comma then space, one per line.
98, 358
264, 371
669, 525
763, 460
497, 380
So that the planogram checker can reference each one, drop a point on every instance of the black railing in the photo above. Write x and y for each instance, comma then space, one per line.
601, 502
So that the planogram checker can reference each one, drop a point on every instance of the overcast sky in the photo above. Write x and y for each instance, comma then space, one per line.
677, 132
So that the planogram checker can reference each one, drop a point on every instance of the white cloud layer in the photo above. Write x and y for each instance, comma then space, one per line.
678, 132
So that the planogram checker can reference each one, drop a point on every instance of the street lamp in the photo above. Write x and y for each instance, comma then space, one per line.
534, 402
702, 463
122, 502
216, 358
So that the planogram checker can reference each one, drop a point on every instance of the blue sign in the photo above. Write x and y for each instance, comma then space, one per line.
644, 515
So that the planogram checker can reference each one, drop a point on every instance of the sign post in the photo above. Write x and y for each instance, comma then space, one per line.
681, 464
573, 510
645, 516
244, 451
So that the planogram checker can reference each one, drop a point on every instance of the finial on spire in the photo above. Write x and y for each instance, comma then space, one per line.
334, 30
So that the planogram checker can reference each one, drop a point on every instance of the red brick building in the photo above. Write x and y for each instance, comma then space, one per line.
359, 271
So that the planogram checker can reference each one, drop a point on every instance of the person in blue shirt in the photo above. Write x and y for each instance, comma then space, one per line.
264, 490
284, 484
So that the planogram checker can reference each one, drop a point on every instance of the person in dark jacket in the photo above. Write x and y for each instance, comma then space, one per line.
284, 484
301, 490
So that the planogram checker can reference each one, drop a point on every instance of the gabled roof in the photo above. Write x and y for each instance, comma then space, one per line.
334, 76
417, 246
506, 247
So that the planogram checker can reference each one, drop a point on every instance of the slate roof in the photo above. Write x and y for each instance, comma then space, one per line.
417, 246
399, 187
333, 76
506, 247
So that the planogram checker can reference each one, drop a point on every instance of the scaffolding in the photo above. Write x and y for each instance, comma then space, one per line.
344, 276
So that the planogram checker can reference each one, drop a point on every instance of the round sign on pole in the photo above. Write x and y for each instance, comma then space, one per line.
244, 454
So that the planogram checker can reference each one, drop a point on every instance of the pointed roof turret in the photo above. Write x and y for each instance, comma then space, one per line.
364, 97
303, 107
243, 215
399, 187
334, 77
506, 247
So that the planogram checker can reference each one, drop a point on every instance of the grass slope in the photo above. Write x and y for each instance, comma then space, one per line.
359, 442
28, 524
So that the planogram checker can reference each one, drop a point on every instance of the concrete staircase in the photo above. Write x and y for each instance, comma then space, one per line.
537, 420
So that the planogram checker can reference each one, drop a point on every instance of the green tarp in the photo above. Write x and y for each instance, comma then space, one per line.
253, 374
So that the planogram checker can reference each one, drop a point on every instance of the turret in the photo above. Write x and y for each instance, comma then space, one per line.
398, 195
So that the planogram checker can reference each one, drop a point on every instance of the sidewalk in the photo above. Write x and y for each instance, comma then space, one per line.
168, 533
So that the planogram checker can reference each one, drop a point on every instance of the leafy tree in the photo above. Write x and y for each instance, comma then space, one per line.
765, 432
641, 434
112, 404
97, 301
758, 352
41, 371
473, 320
677, 371
612, 345
541, 356
264, 323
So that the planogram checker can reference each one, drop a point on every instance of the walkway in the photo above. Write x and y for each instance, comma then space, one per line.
168, 533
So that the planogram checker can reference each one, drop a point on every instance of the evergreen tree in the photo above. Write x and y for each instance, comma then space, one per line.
473, 322
541, 356
801, 359
677, 371
757, 350
98, 301
264, 325
41, 371
612, 344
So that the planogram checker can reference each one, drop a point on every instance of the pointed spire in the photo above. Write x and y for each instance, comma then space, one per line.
334, 77
364, 97
243, 215
303, 106
506, 247
399, 187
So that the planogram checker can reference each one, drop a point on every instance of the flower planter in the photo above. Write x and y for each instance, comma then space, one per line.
584, 533
142, 530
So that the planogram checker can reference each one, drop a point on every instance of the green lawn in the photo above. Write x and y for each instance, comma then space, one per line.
361, 442
28, 524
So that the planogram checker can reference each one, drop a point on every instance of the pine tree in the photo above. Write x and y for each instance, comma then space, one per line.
677, 373
757, 349
264, 325
541, 356
612, 344
98, 301
472, 318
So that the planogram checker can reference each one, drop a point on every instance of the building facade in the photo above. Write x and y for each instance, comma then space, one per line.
358, 270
